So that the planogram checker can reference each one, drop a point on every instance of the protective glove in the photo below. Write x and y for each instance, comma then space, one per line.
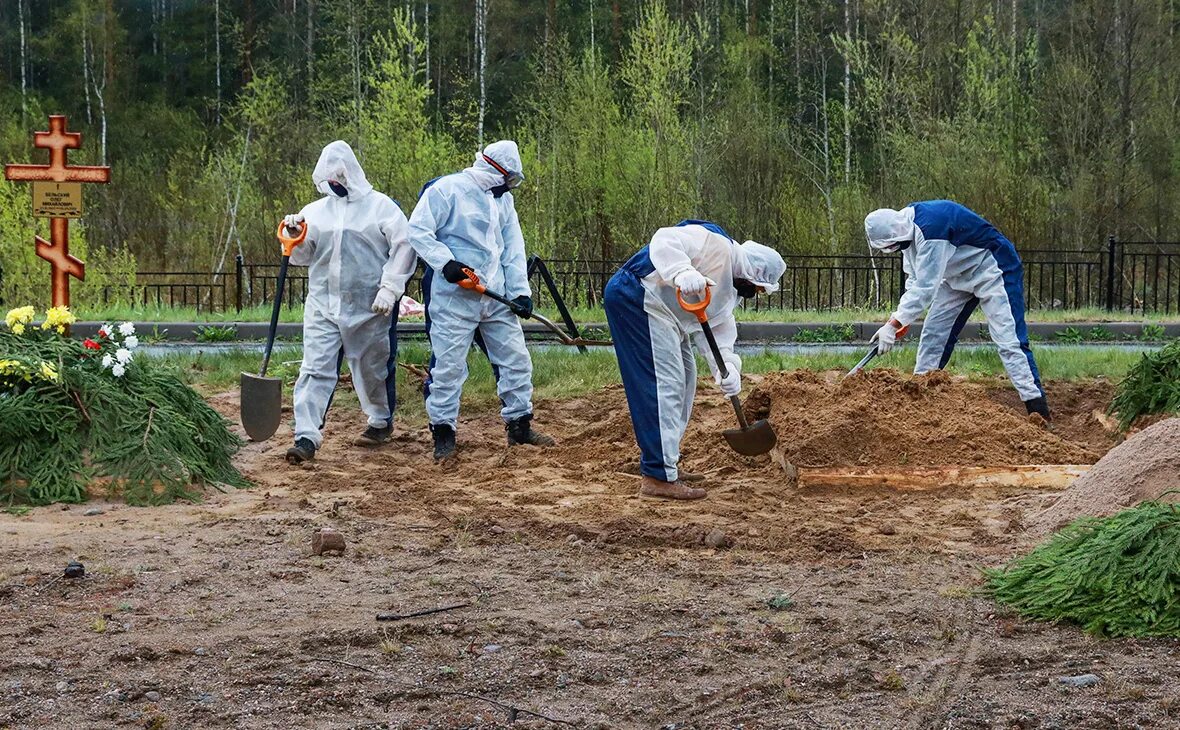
885, 337
730, 385
291, 222
522, 306
692, 282
385, 301
453, 271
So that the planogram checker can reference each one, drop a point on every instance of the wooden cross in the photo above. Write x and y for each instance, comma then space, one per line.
57, 249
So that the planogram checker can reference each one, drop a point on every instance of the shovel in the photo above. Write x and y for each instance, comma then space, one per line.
749, 440
472, 283
262, 397
872, 354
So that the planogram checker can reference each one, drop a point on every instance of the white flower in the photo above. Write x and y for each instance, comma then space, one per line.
131, 342
108, 328
123, 355
126, 329
107, 360
118, 370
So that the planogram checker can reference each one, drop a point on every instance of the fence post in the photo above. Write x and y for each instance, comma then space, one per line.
1111, 244
238, 281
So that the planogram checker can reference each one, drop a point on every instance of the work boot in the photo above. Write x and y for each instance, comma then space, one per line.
303, 450
520, 431
652, 487
374, 436
1040, 407
444, 441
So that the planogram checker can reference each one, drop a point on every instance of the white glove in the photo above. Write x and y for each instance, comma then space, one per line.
731, 385
293, 220
385, 301
692, 282
885, 338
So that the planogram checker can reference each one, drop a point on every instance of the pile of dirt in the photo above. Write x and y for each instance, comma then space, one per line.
1141, 468
884, 418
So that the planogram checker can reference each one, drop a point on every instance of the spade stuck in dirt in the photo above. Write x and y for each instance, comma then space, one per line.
751, 439
262, 396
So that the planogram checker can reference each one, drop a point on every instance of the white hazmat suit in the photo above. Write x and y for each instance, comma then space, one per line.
356, 248
470, 217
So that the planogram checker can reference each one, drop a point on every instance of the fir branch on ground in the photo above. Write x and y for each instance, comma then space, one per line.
1113, 576
147, 435
1152, 386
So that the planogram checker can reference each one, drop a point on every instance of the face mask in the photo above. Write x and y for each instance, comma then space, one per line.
746, 289
338, 189
511, 179
499, 190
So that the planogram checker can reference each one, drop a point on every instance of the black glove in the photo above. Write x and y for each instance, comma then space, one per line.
522, 306
453, 271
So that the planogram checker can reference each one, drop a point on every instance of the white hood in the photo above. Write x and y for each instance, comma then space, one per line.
338, 162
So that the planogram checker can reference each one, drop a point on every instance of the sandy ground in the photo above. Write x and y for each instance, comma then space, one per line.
587, 604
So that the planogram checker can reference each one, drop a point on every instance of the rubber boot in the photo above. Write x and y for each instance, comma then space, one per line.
520, 431
444, 441
1039, 406
303, 450
374, 436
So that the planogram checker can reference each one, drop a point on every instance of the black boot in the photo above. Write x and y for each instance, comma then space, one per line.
374, 436
520, 431
303, 450
444, 441
1040, 406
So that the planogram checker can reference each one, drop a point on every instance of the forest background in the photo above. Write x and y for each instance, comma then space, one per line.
783, 120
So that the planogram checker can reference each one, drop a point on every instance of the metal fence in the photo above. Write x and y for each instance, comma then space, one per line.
1134, 277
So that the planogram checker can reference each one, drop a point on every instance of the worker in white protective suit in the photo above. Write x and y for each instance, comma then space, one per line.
652, 332
954, 261
468, 220
360, 260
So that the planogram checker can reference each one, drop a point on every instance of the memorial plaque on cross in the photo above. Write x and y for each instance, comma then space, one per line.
57, 249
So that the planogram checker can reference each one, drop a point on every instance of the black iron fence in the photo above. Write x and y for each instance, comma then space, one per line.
1134, 277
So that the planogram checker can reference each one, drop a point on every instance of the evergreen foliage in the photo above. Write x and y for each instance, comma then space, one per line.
67, 422
1151, 386
1113, 576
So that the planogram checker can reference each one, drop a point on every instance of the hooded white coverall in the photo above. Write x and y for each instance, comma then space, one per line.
459, 218
957, 261
355, 245
651, 331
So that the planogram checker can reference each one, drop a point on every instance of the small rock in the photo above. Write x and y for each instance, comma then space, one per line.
224, 564
1081, 680
200, 651
326, 540
573, 539
92, 512
449, 628
563, 679
205, 698
887, 528
491, 648
152, 696
537, 673
63, 686
496, 530
716, 539
74, 569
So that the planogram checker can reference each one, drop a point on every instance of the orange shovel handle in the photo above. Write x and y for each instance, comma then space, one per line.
472, 281
698, 308
290, 242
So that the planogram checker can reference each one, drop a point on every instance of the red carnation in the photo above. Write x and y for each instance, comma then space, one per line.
90, 344
101, 333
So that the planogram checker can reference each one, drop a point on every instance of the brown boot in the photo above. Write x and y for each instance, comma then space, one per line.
652, 487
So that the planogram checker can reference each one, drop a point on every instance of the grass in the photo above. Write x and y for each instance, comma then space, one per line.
564, 374
594, 314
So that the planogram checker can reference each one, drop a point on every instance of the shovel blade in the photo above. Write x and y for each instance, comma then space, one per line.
758, 439
261, 405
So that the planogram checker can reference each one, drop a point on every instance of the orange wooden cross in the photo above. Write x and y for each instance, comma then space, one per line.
57, 249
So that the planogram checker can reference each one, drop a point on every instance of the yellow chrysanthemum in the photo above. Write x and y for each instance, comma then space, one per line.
19, 316
48, 372
18, 329
58, 318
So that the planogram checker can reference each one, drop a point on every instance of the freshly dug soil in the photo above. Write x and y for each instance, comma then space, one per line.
884, 418
1141, 468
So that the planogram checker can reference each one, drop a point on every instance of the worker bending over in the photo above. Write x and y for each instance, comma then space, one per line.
954, 261
651, 334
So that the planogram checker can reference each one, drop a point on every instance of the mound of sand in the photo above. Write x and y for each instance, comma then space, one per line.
884, 418
1141, 468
